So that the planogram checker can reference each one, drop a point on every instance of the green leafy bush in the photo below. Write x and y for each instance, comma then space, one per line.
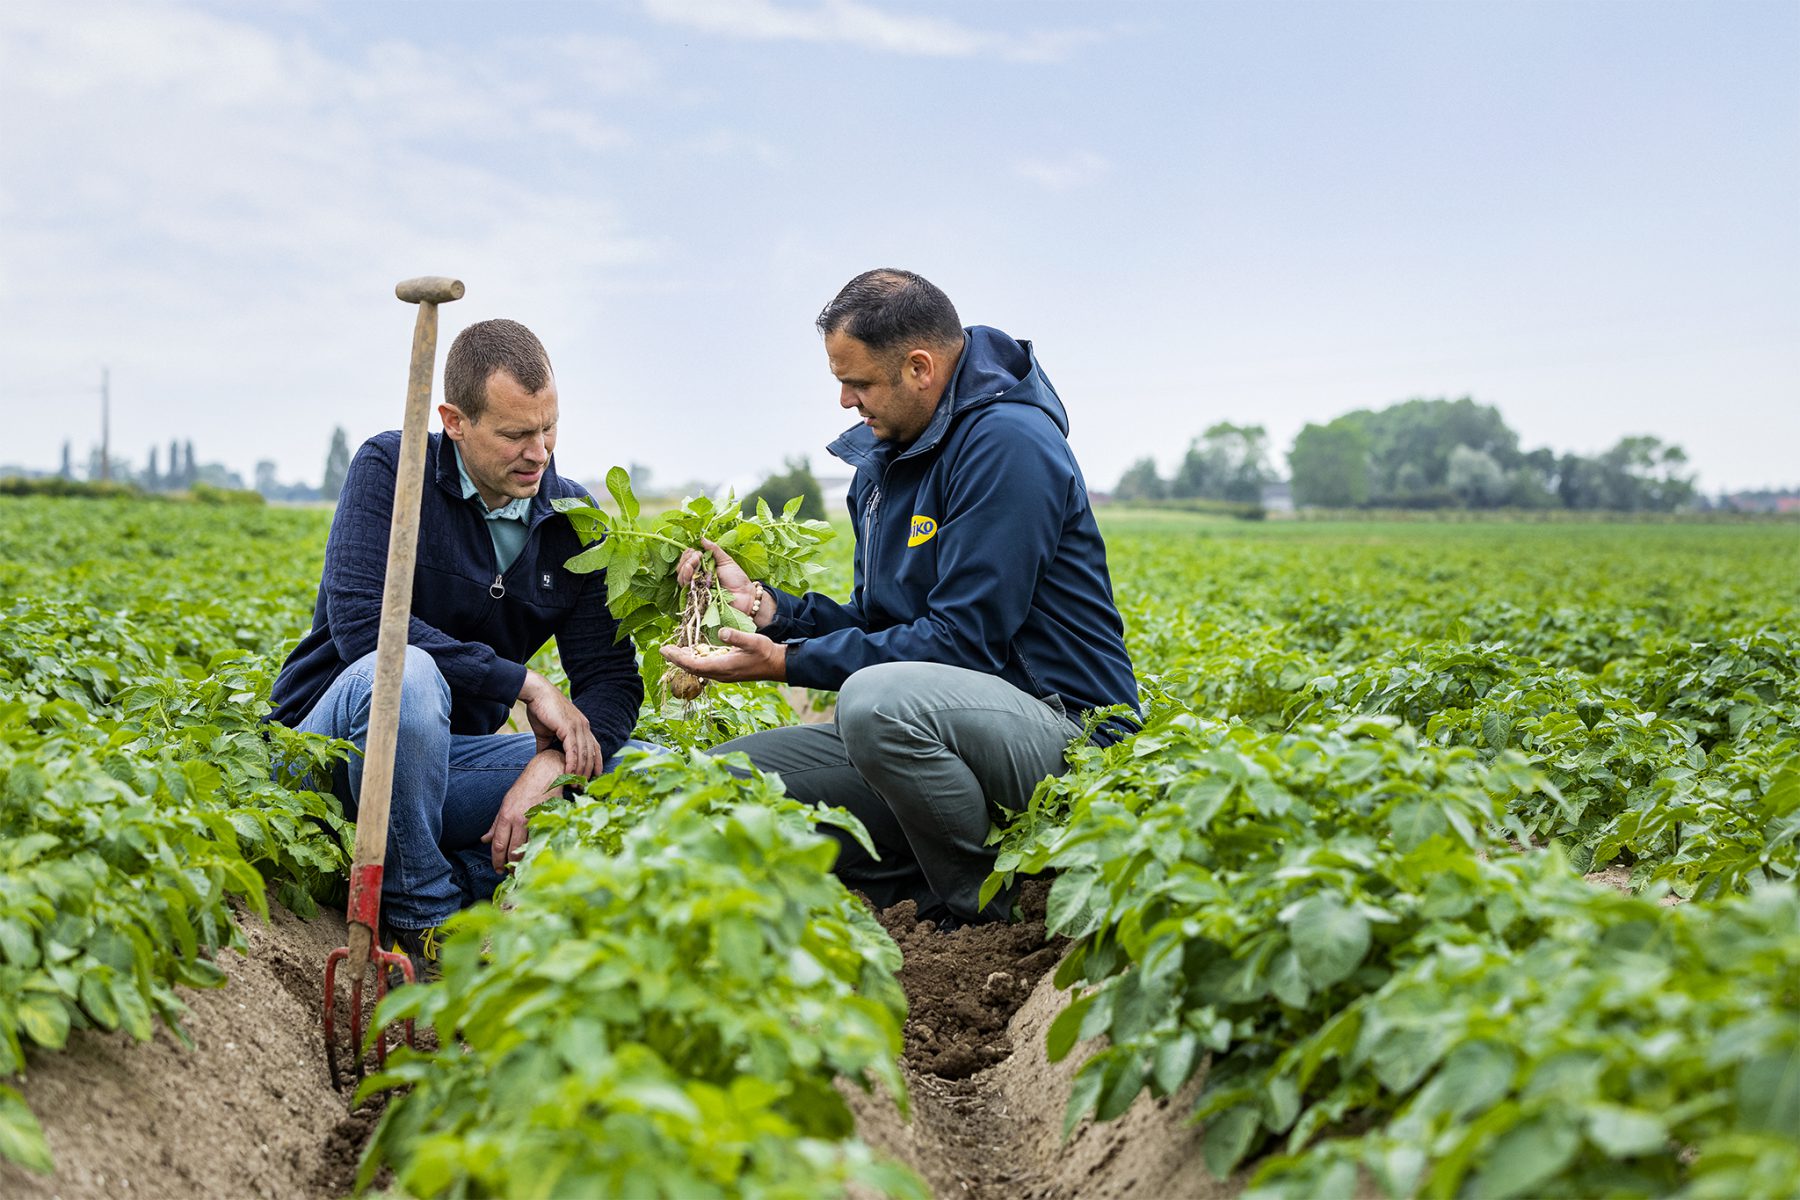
660, 1007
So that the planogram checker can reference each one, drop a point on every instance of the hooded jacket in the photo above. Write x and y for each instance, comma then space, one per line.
975, 547
480, 625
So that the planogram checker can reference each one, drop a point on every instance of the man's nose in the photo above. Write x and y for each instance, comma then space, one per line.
846, 398
537, 450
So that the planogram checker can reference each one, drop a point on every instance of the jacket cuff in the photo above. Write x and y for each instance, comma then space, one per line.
780, 628
505, 679
808, 669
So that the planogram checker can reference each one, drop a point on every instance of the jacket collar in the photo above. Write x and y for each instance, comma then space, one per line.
442, 453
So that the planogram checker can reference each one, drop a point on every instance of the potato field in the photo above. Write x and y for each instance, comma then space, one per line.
1451, 861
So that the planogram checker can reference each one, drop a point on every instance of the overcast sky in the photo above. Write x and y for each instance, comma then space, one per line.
1587, 215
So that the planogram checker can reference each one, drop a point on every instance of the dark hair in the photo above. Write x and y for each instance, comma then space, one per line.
888, 310
486, 347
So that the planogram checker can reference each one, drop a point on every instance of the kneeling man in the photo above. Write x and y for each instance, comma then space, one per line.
981, 627
489, 591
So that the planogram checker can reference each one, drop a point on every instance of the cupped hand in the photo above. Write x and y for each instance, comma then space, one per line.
752, 657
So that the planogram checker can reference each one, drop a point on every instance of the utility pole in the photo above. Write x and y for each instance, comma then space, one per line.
105, 423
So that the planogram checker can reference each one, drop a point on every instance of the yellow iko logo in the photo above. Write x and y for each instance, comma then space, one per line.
923, 530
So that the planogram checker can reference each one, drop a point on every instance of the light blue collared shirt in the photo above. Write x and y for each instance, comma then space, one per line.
507, 525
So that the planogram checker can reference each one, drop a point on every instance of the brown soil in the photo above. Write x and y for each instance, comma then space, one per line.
964, 986
247, 1111
987, 1104
1619, 879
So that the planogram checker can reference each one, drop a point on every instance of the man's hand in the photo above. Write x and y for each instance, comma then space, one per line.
729, 576
557, 722
507, 834
753, 657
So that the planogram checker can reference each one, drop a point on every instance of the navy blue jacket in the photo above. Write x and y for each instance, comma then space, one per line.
479, 641
975, 546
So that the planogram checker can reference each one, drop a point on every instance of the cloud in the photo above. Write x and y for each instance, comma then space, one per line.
1064, 174
218, 211
865, 25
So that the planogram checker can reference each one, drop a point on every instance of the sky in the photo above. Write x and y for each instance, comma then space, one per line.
1586, 215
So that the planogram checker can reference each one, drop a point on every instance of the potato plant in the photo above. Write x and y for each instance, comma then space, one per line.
1334, 915
640, 555
659, 1006
141, 799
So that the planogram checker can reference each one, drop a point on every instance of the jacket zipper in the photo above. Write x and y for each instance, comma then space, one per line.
870, 507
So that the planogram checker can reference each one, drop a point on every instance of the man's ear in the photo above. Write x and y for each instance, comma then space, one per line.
921, 367
455, 423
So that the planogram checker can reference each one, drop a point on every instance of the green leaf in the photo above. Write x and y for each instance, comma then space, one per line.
594, 558
1173, 1061
1329, 939
1065, 1029
1496, 729
21, 1137
1067, 903
1526, 1157
1287, 981
618, 482
44, 1020
1228, 1138
1625, 1132
1768, 1090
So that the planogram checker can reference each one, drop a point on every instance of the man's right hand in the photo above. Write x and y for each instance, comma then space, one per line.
731, 577
557, 722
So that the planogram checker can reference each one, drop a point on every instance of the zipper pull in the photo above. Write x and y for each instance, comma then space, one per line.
497, 589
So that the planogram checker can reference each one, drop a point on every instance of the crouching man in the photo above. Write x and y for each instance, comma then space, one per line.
981, 627
488, 592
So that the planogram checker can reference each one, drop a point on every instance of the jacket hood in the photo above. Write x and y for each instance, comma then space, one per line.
995, 368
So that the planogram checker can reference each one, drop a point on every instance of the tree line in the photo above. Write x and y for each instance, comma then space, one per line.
1420, 454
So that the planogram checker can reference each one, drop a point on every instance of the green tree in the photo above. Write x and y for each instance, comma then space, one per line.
1227, 462
1475, 478
1411, 443
1141, 482
337, 465
1330, 464
797, 480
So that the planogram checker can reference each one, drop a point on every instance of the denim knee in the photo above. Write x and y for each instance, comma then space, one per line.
424, 693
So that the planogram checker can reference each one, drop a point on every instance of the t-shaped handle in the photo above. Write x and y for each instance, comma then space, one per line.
429, 289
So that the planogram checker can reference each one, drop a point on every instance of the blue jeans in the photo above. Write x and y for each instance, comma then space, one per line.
447, 789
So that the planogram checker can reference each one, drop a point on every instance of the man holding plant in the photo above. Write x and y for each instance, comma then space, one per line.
489, 590
981, 628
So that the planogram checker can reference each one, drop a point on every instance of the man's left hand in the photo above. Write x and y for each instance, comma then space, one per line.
753, 657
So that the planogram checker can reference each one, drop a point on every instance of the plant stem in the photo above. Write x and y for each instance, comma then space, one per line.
645, 533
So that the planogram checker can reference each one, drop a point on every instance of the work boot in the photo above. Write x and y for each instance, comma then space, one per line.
419, 945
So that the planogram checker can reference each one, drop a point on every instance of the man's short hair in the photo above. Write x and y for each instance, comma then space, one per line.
889, 310
486, 347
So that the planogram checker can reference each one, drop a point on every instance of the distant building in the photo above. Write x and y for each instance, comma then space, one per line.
1784, 500
835, 491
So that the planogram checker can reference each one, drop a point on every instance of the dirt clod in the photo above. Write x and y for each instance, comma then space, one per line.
965, 985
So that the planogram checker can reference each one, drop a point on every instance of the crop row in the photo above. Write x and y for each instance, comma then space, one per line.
1313, 878
139, 798
1331, 923
1316, 875
661, 1004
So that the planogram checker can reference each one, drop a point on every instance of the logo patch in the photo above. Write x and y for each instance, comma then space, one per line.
923, 530
546, 581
